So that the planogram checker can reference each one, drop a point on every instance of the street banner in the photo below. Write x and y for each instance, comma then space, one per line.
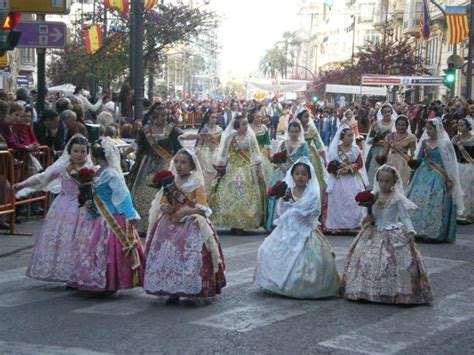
93, 38
119, 5
456, 18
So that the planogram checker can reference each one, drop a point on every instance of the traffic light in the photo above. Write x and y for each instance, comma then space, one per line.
450, 76
314, 99
9, 38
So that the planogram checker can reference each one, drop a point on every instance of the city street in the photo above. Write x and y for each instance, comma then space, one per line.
46, 318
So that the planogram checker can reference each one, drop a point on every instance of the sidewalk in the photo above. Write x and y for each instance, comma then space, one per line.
10, 244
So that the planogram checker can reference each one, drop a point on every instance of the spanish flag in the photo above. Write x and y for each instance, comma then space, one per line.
119, 5
150, 4
458, 29
93, 38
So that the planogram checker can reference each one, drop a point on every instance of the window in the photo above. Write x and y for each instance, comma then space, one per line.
372, 36
432, 49
27, 56
366, 13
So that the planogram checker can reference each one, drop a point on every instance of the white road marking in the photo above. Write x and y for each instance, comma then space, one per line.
13, 275
413, 325
32, 295
19, 348
239, 277
465, 242
244, 319
242, 249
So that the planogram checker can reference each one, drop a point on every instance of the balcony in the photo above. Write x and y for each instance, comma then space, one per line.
411, 17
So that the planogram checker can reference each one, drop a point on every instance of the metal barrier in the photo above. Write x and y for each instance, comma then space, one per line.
7, 195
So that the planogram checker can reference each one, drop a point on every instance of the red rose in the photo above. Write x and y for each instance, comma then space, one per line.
278, 189
279, 158
163, 177
86, 173
333, 167
365, 197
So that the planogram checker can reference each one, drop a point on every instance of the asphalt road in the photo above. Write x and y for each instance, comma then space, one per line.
46, 318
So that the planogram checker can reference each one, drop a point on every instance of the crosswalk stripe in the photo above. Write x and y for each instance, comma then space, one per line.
413, 325
13, 275
465, 243
242, 249
240, 277
32, 295
10, 347
245, 319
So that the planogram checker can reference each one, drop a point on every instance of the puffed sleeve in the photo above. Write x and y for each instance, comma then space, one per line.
121, 197
404, 217
201, 201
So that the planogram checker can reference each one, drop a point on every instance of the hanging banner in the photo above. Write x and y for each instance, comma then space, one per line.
93, 38
119, 5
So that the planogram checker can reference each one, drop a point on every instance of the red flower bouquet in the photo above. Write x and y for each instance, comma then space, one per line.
278, 189
333, 167
279, 158
366, 199
84, 177
162, 178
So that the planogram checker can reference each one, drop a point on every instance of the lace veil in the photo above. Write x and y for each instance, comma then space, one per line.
398, 192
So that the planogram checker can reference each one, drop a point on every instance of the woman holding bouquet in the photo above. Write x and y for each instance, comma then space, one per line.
464, 146
317, 152
399, 147
263, 138
383, 264
184, 256
238, 197
296, 260
157, 143
290, 150
374, 145
347, 178
435, 186
51, 257
107, 254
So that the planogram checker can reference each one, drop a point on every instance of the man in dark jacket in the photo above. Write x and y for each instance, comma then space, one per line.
48, 131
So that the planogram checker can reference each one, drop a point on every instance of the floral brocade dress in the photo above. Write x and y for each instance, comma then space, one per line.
98, 257
383, 264
263, 139
375, 139
184, 258
279, 174
51, 256
206, 151
398, 154
155, 152
435, 217
237, 198
315, 144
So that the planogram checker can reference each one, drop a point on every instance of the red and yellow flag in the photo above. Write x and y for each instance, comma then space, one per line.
458, 29
119, 5
93, 38
150, 4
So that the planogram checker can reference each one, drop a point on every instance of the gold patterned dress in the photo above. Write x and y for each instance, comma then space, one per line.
206, 151
236, 200
400, 151
263, 139
315, 146
154, 153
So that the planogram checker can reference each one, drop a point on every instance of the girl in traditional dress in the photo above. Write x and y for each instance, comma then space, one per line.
107, 253
317, 152
374, 145
347, 178
295, 147
238, 196
263, 138
296, 260
207, 144
349, 120
435, 187
383, 264
51, 257
399, 148
464, 146
184, 256
157, 143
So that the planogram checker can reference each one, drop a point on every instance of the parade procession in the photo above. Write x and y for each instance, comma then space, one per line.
188, 177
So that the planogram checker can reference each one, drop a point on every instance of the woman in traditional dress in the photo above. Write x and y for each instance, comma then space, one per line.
184, 256
349, 120
294, 147
347, 178
383, 264
51, 257
435, 186
399, 148
157, 143
317, 152
296, 260
207, 144
263, 138
374, 145
238, 196
464, 146
107, 253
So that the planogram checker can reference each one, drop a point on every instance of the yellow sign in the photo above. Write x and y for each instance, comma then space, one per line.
4, 60
41, 6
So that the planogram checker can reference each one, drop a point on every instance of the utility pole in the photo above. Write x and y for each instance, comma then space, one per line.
469, 53
41, 52
138, 59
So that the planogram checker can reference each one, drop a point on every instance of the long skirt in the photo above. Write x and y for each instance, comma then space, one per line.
385, 266
343, 213
98, 261
51, 257
466, 175
401, 165
179, 263
435, 217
